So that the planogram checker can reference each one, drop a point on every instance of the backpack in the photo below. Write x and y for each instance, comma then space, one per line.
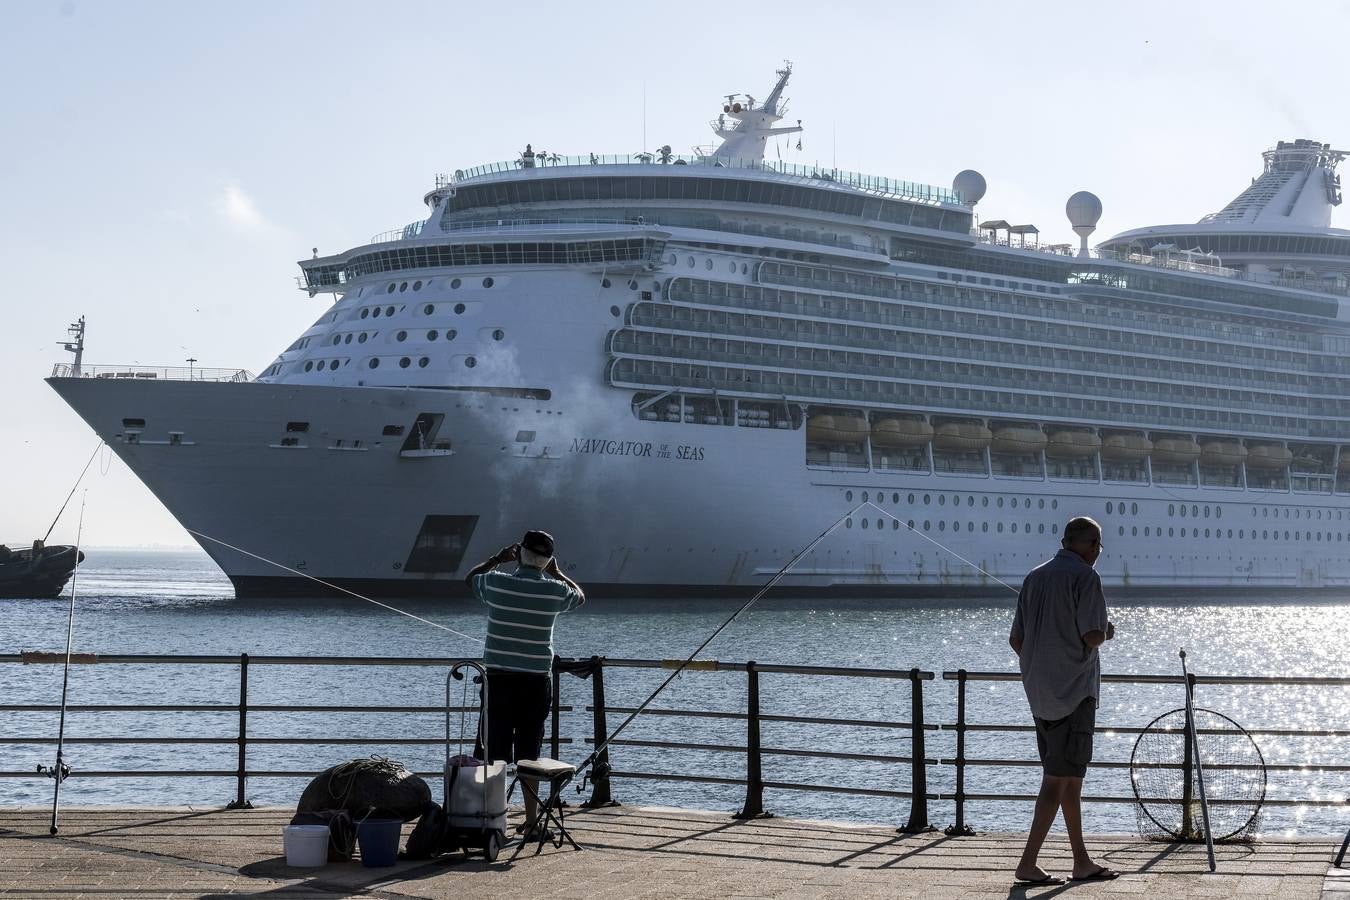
341, 831
428, 836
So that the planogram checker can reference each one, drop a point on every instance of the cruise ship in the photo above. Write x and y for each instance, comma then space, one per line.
687, 366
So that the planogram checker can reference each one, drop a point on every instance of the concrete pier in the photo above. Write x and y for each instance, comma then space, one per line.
630, 852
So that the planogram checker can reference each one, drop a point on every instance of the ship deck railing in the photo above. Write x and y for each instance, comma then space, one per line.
707, 732
822, 176
150, 373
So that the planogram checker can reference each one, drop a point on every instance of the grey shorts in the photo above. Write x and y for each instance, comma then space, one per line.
1065, 745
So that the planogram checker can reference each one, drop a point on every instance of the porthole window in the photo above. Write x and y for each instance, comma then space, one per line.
364, 313
390, 289
970, 526
451, 334
911, 500
433, 334
848, 523
1000, 528
337, 339
615, 311
925, 499
895, 524
984, 501
1206, 512
1134, 509
403, 287
322, 363
498, 334
404, 363
1054, 528
633, 285
361, 338
671, 259
1120, 530
1172, 509
454, 284
1195, 510
459, 309
970, 501
488, 282
1000, 502
347, 339
309, 366
864, 496
744, 268
691, 262
942, 524
1040, 504
910, 524
895, 498
428, 309
1183, 510
604, 282
401, 336
417, 285
1218, 512
1014, 528
1241, 533
707, 264
374, 363
388, 310
1206, 532
927, 525
1170, 532
1054, 504
984, 526
1109, 509
1040, 529
731, 267
848, 496
470, 361
422, 362
375, 313
1134, 531
942, 499
866, 522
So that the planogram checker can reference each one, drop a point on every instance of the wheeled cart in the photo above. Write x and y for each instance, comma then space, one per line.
475, 791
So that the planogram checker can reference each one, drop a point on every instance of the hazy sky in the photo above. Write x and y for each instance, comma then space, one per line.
163, 165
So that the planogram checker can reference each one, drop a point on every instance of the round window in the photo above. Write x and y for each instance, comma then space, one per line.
403, 287
848, 523
422, 363
470, 362
488, 282
604, 282
632, 285
388, 310
361, 338
337, 339
432, 334
334, 364
417, 285
707, 264
450, 334
744, 268
322, 363
309, 366
374, 362
401, 336
691, 262
848, 496
615, 311
731, 267
347, 339
428, 309
459, 309
498, 334
375, 313
364, 313
390, 289
404, 363
454, 283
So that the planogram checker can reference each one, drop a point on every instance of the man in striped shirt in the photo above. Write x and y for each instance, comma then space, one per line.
522, 608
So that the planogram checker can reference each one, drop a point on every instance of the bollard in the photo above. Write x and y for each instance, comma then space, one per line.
960, 829
241, 769
918, 790
600, 791
754, 776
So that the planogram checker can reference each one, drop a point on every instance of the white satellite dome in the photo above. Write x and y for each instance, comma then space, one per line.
1084, 209
970, 185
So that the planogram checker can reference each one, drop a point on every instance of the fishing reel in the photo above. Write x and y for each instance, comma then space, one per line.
595, 771
60, 771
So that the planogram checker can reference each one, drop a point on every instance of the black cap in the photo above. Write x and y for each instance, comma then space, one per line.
540, 542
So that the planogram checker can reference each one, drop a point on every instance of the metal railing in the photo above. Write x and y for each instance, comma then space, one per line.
905, 771
151, 373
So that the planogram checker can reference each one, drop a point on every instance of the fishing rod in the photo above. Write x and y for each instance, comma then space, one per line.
73, 489
329, 584
61, 771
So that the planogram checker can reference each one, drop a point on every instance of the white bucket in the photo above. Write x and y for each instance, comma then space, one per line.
306, 845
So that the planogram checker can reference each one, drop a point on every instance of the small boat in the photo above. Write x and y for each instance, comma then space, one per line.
36, 572
1222, 453
961, 436
901, 433
1269, 456
1126, 447
830, 429
1015, 440
1175, 451
1073, 444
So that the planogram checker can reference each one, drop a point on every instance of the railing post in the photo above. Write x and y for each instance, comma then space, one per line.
557, 693
754, 776
960, 828
241, 769
918, 781
600, 792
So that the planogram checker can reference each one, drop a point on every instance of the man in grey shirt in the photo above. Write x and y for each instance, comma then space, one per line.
1060, 623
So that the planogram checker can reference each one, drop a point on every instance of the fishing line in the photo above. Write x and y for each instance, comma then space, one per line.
335, 587
940, 546
73, 489
61, 770
590, 760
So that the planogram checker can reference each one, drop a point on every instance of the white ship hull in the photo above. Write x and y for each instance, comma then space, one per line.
644, 508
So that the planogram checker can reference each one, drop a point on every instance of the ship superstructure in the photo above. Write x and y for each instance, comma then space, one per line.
686, 366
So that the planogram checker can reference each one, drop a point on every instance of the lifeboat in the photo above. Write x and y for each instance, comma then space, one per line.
1269, 456
961, 436
1308, 464
1175, 451
1222, 453
1018, 440
836, 429
901, 433
1072, 444
1126, 447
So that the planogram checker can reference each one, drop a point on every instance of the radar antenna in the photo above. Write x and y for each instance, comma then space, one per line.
75, 344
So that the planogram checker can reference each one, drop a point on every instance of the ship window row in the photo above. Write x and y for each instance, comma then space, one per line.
984, 527
1011, 346
915, 311
698, 409
712, 190
1281, 244
852, 363
1309, 513
638, 373
1114, 312
912, 500
1227, 291
1240, 534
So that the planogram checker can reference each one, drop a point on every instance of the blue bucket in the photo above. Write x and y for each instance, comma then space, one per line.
378, 839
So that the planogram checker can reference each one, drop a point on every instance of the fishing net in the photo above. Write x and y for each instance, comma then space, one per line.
1166, 780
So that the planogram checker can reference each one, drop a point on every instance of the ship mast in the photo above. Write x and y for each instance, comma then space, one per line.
745, 128
75, 344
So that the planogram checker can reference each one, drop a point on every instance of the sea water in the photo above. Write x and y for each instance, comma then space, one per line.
170, 602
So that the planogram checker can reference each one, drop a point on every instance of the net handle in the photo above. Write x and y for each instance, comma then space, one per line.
1194, 741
